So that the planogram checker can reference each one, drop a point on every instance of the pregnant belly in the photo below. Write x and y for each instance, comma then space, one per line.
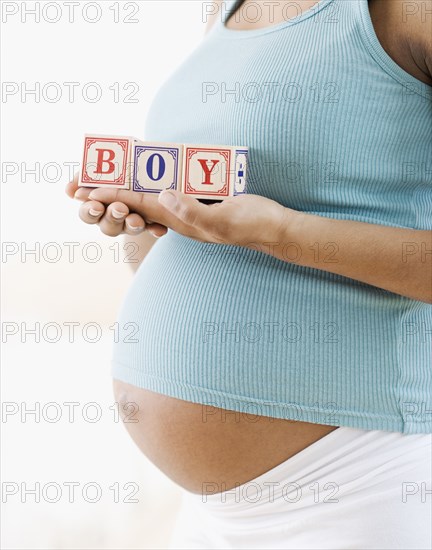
190, 306
199, 446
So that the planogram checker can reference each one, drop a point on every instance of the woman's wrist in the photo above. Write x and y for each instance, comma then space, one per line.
281, 227
282, 230
289, 228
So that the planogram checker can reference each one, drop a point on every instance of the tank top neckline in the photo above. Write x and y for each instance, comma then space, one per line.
368, 36
222, 29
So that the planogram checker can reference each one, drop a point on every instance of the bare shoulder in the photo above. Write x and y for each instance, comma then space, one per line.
404, 30
416, 26
212, 11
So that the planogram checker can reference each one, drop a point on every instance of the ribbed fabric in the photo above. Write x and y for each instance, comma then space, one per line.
335, 128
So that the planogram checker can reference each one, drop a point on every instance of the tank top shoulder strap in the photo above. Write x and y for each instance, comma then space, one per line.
363, 21
228, 8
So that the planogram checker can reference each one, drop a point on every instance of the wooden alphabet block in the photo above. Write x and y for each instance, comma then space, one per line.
157, 166
214, 172
240, 166
107, 162
207, 172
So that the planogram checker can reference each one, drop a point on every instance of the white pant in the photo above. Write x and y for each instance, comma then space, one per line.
352, 489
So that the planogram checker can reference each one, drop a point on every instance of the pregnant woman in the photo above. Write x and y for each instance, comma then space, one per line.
283, 363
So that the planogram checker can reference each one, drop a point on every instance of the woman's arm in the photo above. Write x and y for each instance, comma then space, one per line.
396, 259
392, 258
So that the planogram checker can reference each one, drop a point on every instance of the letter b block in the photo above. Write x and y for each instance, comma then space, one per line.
107, 162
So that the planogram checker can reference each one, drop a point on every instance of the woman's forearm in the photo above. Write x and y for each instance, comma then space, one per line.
395, 259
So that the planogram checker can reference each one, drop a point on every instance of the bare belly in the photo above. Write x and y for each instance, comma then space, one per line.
196, 445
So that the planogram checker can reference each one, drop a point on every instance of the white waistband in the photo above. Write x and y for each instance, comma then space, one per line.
346, 460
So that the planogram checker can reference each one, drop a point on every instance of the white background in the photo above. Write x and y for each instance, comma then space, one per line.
51, 289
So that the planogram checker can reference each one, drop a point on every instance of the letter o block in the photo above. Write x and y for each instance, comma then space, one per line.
157, 166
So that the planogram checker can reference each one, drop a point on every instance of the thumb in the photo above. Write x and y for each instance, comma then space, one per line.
188, 209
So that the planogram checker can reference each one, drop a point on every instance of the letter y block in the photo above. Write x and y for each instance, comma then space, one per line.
214, 172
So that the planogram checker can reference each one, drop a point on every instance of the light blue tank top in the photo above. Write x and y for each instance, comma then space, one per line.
335, 128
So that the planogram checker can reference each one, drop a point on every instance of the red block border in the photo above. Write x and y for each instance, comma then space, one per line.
224, 192
124, 144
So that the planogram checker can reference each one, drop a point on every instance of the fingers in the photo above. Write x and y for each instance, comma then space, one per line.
115, 218
113, 222
82, 193
134, 224
156, 229
75, 192
72, 186
188, 211
108, 196
144, 204
91, 212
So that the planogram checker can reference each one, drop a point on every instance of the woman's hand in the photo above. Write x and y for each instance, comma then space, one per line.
114, 219
244, 220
